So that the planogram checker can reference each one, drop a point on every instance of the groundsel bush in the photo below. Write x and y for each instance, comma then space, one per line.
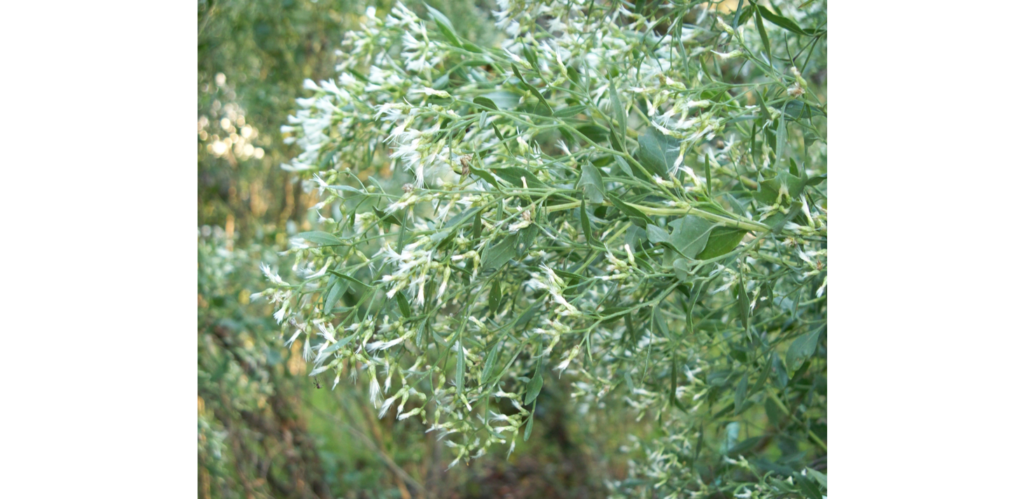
627, 198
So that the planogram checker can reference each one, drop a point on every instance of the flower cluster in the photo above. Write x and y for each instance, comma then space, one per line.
631, 197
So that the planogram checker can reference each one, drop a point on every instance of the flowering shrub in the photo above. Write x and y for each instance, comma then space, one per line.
627, 198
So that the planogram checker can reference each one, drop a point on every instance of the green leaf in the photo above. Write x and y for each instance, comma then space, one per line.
743, 446
387, 220
444, 25
741, 395
780, 140
822, 479
721, 241
531, 57
765, 370
638, 217
658, 152
403, 305
594, 132
781, 21
764, 34
494, 298
496, 256
809, 488
659, 322
485, 102
525, 241
569, 112
592, 183
321, 238
781, 376
533, 90
802, 348
819, 476
690, 234
707, 173
742, 302
460, 368
336, 291
681, 268
740, 11
768, 190
524, 318
620, 115
616, 143
533, 388
529, 427
337, 345
485, 375
656, 234
514, 175
624, 166
484, 174
764, 109
816, 179
585, 222
503, 99
574, 76
478, 226
360, 287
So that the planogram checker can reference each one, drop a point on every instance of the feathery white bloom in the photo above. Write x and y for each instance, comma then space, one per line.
293, 338
383, 345
271, 275
307, 351
374, 389
319, 273
280, 314
431, 92
326, 331
411, 413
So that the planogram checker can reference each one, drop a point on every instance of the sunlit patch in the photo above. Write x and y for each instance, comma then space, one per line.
296, 365
218, 148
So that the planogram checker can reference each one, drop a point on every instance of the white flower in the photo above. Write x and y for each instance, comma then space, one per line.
374, 389
279, 315
271, 275
293, 338
730, 55
319, 273
383, 345
410, 413
431, 92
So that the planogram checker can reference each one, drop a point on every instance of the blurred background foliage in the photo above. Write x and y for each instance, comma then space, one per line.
264, 428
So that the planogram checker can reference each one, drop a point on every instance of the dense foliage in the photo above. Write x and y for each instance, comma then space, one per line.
629, 199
